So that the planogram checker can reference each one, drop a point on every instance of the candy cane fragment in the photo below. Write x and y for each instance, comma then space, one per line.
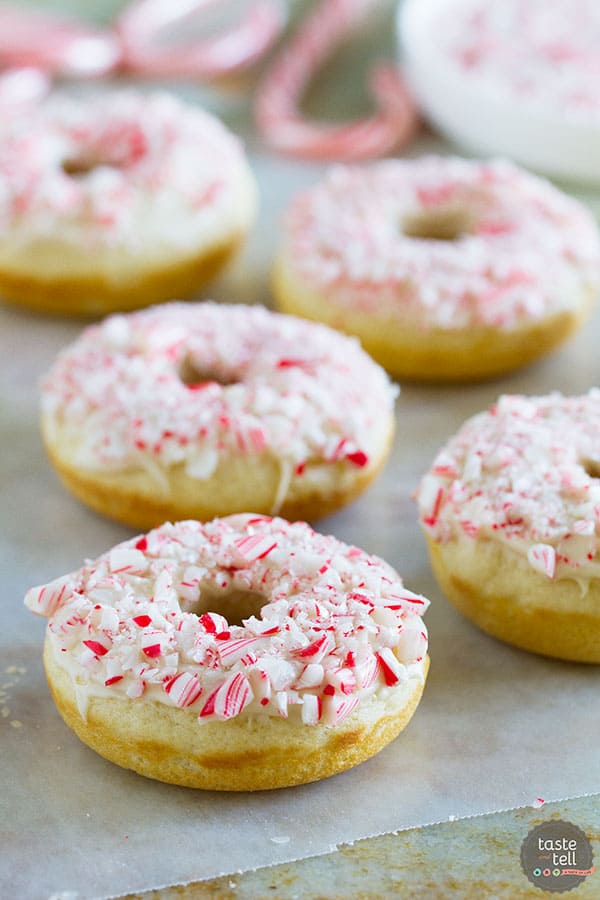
56, 44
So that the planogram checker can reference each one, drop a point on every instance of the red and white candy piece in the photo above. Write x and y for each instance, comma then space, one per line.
311, 709
155, 38
55, 44
127, 560
277, 104
336, 709
184, 689
542, 558
255, 547
234, 651
229, 699
393, 670
47, 599
261, 685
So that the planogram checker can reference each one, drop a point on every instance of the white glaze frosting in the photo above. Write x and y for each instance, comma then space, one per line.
523, 250
526, 473
337, 627
294, 389
117, 175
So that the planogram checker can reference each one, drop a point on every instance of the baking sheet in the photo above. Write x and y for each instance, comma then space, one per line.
497, 727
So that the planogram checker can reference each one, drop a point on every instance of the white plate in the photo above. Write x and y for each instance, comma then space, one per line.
475, 116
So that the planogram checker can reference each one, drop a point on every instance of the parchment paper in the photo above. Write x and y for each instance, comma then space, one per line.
496, 728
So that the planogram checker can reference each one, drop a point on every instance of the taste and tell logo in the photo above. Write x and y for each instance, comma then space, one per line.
556, 856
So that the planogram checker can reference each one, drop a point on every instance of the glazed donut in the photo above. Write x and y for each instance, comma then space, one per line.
117, 202
326, 667
511, 513
446, 269
501, 76
197, 410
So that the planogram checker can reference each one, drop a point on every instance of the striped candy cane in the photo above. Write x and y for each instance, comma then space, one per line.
55, 43
143, 26
277, 103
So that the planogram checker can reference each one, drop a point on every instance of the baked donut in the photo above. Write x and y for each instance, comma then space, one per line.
117, 202
501, 76
446, 269
197, 410
511, 513
148, 667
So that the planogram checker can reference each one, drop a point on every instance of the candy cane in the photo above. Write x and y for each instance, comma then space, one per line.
278, 98
54, 43
142, 29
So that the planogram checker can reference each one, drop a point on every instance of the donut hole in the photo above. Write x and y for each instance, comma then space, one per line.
592, 467
443, 224
235, 605
191, 374
81, 166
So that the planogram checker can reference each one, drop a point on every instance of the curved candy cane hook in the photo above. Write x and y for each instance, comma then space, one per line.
142, 26
278, 98
55, 43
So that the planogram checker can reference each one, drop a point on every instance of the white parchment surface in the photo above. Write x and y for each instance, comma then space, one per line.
496, 727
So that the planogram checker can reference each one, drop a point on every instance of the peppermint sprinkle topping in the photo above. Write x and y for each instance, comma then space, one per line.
317, 650
119, 397
526, 473
118, 170
442, 243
